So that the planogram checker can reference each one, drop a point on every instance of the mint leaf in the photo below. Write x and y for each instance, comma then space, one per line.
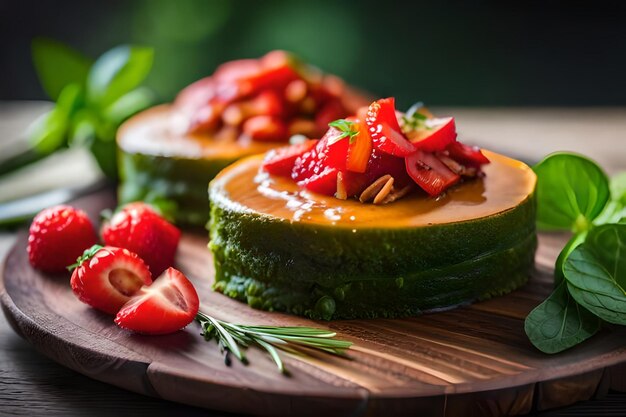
58, 65
117, 72
559, 323
596, 273
347, 129
571, 191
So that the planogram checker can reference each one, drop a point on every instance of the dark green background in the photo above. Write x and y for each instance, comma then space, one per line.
443, 53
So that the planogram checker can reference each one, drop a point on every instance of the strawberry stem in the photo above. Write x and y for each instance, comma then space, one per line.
87, 254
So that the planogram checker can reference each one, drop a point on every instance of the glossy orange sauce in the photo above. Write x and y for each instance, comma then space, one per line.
161, 131
243, 188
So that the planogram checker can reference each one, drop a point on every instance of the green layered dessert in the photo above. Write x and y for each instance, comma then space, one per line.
301, 230
170, 152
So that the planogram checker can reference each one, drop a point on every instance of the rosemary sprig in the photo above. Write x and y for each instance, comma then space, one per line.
234, 338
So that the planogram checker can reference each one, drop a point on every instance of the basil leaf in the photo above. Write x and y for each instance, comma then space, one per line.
47, 133
117, 72
596, 273
572, 244
618, 188
58, 65
571, 191
559, 322
129, 104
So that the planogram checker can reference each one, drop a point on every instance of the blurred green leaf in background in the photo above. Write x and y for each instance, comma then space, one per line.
92, 100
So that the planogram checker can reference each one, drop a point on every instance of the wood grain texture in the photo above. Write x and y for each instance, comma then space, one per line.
469, 361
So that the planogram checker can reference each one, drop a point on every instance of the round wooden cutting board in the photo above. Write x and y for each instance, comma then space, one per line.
474, 360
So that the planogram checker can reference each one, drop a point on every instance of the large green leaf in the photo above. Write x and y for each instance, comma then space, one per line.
596, 273
117, 72
559, 323
571, 191
58, 65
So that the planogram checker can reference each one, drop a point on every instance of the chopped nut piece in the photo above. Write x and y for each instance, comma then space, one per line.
341, 193
397, 194
384, 192
374, 188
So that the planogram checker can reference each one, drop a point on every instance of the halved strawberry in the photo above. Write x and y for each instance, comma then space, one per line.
164, 307
280, 161
384, 129
106, 277
432, 175
140, 229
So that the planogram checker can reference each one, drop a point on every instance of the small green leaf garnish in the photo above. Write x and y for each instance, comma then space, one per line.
414, 120
347, 129
87, 254
297, 340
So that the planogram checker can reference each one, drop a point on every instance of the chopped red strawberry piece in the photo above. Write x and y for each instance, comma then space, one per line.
429, 173
57, 236
331, 151
435, 135
465, 154
106, 277
140, 229
280, 161
166, 306
331, 110
384, 129
265, 129
382, 163
323, 183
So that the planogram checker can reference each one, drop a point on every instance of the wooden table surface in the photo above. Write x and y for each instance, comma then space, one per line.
33, 385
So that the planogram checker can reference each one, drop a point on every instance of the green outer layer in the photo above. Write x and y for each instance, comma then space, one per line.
181, 180
331, 272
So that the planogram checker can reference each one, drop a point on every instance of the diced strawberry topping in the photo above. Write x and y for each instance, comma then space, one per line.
470, 155
435, 135
298, 99
323, 183
280, 161
354, 153
430, 173
384, 129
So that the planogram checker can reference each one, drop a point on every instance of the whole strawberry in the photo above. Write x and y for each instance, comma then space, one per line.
106, 277
57, 236
138, 228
